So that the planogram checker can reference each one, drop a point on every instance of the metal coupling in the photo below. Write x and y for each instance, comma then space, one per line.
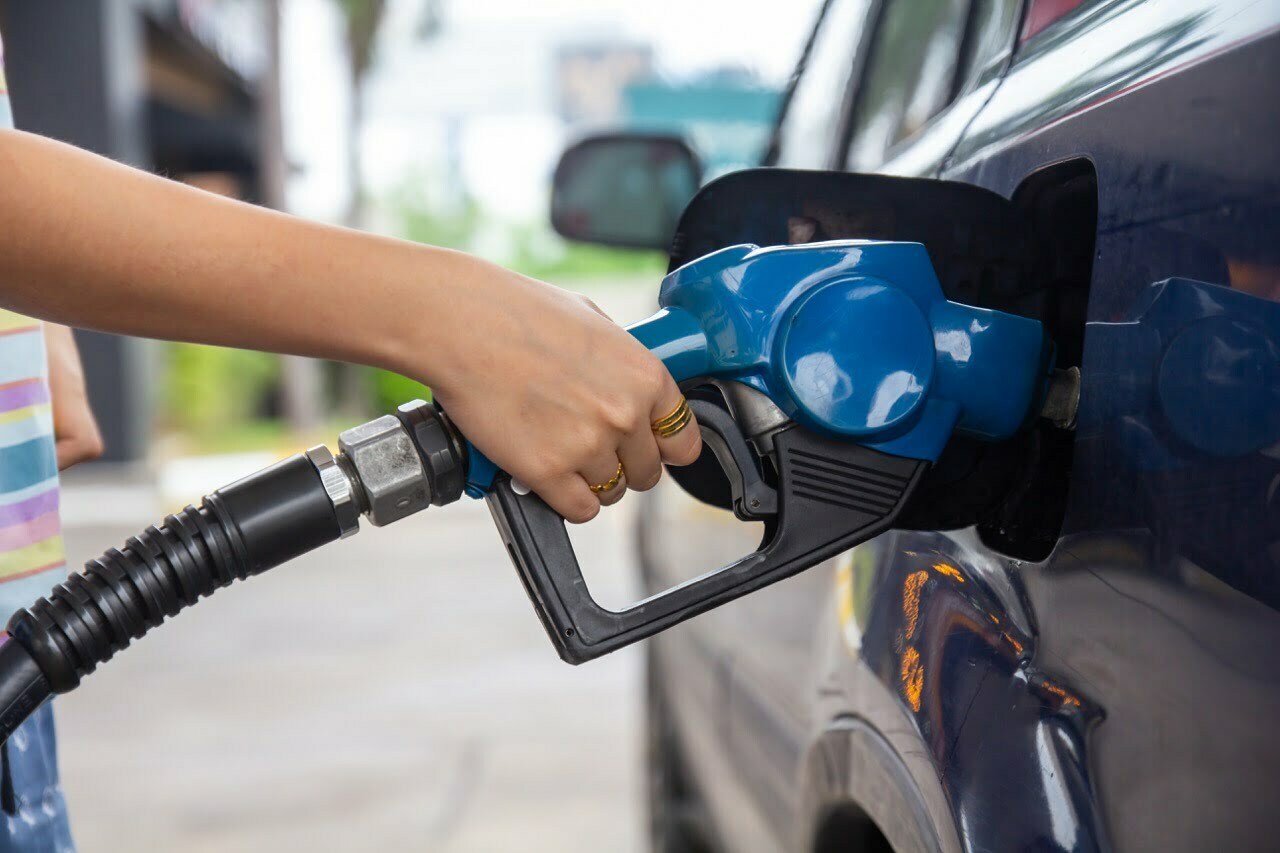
393, 466
390, 473
441, 447
342, 492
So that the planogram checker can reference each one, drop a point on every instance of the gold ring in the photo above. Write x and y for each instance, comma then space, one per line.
611, 484
670, 424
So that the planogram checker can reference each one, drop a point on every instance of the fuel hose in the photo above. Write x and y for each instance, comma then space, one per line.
387, 469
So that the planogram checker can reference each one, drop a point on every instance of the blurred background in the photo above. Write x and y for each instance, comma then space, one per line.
288, 712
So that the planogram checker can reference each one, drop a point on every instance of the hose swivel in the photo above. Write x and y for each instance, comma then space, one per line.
393, 466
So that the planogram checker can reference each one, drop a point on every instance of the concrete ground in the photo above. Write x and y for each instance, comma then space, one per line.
391, 692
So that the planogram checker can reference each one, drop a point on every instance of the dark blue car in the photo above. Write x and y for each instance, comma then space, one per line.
1072, 643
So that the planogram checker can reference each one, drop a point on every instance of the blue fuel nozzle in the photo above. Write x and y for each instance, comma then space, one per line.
852, 339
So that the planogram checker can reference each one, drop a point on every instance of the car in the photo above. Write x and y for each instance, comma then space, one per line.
1071, 640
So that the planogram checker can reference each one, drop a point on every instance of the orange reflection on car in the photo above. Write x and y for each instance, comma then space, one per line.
912, 677
949, 570
911, 599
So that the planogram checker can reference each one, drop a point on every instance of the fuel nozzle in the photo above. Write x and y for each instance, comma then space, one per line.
393, 466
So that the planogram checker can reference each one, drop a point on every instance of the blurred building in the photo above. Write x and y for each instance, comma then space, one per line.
591, 78
174, 86
726, 115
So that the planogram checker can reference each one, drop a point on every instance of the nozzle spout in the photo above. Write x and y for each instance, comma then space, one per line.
1062, 398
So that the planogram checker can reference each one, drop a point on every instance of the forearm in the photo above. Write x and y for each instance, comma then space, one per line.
90, 243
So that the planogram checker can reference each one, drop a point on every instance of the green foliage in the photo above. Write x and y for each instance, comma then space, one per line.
453, 231
540, 254
363, 19
392, 389
531, 249
206, 389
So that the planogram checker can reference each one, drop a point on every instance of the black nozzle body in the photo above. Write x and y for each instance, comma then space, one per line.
240, 530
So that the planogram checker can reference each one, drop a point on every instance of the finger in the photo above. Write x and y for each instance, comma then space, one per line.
612, 496
68, 453
73, 451
603, 473
570, 497
640, 459
684, 447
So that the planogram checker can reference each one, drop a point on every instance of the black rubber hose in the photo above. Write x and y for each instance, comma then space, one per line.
240, 530
23, 687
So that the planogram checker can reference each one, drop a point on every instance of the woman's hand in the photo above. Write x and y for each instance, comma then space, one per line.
550, 389
74, 427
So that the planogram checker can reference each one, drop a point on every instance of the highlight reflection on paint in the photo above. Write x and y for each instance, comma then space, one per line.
949, 570
894, 388
1065, 697
912, 677
911, 599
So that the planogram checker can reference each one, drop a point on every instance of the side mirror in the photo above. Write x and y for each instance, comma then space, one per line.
624, 189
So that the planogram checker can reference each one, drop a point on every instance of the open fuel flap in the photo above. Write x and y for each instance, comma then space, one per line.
1029, 256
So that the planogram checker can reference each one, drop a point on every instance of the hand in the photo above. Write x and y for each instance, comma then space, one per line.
551, 390
74, 427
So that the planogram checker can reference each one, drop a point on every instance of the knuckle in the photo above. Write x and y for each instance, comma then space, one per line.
586, 442
592, 449
583, 510
624, 415
655, 378
608, 409
539, 470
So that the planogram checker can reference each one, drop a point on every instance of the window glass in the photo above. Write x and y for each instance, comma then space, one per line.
809, 130
912, 66
991, 32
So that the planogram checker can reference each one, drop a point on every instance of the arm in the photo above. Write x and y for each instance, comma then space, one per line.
541, 382
74, 427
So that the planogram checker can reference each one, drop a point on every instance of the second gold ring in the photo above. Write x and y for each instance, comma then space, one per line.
610, 484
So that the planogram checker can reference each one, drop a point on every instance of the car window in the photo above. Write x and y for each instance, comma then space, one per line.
909, 78
808, 132
991, 33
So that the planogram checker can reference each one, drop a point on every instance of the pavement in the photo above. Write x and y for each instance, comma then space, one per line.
394, 691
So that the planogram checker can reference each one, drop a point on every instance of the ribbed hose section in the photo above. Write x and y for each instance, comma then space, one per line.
240, 530
126, 592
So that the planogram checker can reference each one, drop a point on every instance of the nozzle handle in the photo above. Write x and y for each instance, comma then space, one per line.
831, 495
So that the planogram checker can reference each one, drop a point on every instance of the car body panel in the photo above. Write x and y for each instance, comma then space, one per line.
1121, 693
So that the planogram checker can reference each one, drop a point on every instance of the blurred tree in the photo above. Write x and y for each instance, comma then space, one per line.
364, 18
301, 389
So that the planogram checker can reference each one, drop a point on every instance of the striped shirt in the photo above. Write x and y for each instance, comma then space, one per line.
31, 553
